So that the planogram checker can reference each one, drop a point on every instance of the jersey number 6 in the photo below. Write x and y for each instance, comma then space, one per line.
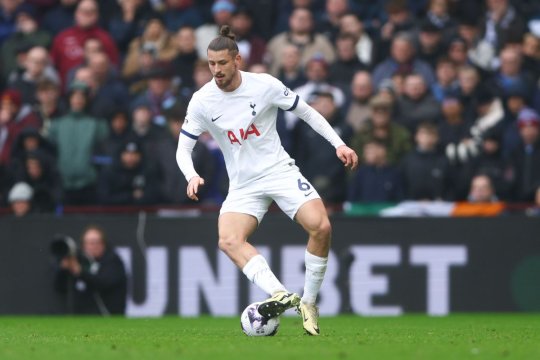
304, 186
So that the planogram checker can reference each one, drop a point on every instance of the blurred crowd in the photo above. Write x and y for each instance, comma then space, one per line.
440, 98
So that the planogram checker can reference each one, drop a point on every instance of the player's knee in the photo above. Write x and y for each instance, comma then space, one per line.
229, 243
324, 230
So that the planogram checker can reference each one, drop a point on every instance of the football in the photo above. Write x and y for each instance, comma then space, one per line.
254, 324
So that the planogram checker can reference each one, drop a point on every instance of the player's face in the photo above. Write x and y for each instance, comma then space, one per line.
224, 68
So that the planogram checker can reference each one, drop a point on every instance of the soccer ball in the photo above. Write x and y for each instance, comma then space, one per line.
254, 324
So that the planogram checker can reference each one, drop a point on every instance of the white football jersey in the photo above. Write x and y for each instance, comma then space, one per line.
243, 122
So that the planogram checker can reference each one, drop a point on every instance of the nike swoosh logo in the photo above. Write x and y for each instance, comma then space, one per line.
309, 193
214, 119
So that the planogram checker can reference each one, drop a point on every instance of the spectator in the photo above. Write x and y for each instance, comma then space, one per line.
359, 110
40, 172
222, 12
402, 61
184, 62
120, 133
526, 158
317, 74
107, 92
60, 17
37, 68
76, 136
67, 49
382, 128
129, 22
501, 22
439, 15
351, 24
446, 84
29, 141
96, 277
155, 40
132, 179
251, 46
531, 54
146, 132
375, 180
27, 34
181, 13
417, 104
14, 117
516, 100
322, 168
453, 129
174, 183
49, 104
159, 91
290, 71
425, 170
468, 88
8, 14
430, 43
302, 35
482, 190
511, 74
400, 19
458, 52
347, 62
329, 23
20, 199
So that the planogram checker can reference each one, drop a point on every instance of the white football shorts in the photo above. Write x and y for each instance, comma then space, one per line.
289, 189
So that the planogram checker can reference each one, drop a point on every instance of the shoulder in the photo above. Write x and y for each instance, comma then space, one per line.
262, 80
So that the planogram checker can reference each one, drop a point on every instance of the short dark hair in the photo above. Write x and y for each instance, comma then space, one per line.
225, 41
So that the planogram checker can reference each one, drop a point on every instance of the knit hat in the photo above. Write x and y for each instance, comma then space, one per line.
11, 95
528, 117
223, 5
21, 191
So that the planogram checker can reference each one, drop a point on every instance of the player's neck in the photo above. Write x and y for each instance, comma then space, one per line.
235, 83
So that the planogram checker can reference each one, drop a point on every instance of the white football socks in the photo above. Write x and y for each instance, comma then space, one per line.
315, 270
259, 273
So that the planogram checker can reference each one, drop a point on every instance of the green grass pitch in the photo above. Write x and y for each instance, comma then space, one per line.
462, 336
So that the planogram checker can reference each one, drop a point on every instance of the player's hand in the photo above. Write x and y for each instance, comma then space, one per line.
347, 156
193, 187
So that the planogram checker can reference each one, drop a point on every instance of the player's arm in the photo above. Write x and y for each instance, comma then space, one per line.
322, 127
186, 143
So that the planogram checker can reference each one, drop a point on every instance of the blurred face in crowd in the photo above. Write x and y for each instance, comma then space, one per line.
529, 134
430, 39
336, 8
119, 123
362, 86
241, 24
468, 32
374, 154
33, 168
30, 143
21, 207
8, 110
452, 111
457, 52
99, 65
224, 67
380, 115
158, 86
325, 105
290, 58
301, 21
131, 159
481, 189
515, 104
468, 80
86, 15
36, 61
9, 6
142, 119
438, 7
415, 87
426, 139
222, 17
350, 24
26, 24
531, 46
92, 46
185, 40
345, 47
316, 71
510, 62
490, 146
402, 50
47, 95
201, 74
154, 30
175, 125
86, 76
497, 5
77, 101
446, 73
93, 243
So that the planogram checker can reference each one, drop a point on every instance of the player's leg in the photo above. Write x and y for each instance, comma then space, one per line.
234, 231
314, 219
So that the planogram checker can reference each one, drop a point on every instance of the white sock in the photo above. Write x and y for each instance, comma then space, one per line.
315, 269
259, 273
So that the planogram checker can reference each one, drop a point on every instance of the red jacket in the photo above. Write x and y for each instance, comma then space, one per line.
9, 132
67, 49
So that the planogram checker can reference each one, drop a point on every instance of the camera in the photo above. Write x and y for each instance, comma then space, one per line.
63, 246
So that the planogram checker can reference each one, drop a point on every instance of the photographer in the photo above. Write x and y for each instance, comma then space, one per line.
94, 279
